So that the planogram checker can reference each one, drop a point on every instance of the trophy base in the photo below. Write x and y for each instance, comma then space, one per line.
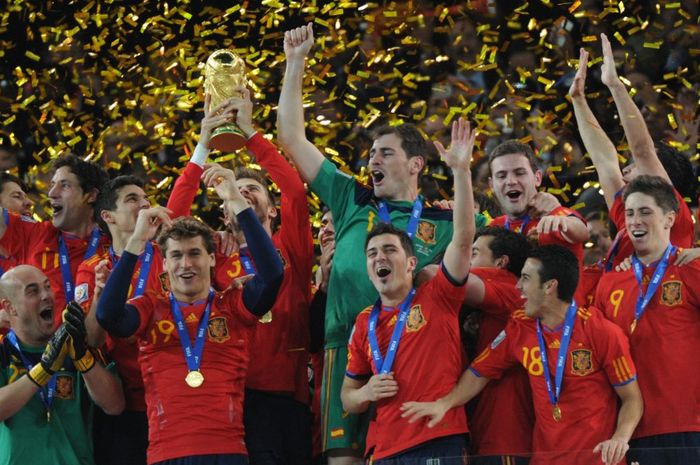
227, 138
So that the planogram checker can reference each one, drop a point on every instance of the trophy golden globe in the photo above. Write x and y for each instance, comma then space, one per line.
225, 71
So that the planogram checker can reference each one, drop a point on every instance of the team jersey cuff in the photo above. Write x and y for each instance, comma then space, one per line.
618, 193
633, 378
476, 373
452, 280
199, 157
356, 376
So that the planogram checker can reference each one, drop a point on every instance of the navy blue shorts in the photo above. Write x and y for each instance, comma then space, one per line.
666, 449
213, 459
120, 439
448, 450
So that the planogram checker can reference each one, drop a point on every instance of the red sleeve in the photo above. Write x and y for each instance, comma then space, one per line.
444, 290
612, 350
500, 294
145, 304
18, 229
359, 364
294, 209
185, 189
85, 284
499, 355
617, 211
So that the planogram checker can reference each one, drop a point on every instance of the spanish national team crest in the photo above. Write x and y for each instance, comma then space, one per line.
415, 320
426, 232
671, 293
218, 329
581, 362
64, 387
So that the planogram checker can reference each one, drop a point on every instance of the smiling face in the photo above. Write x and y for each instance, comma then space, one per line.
14, 199
514, 183
389, 267
130, 200
30, 305
188, 265
71, 206
394, 174
648, 226
531, 288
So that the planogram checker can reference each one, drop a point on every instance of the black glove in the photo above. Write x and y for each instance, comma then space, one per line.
52, 358
74, 321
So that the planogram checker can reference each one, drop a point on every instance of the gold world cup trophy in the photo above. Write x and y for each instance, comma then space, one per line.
224, 72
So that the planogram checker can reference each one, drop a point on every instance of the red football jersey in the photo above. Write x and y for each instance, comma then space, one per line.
587, 285
432, 327
598, 357
185, 421
682, 232
281, 338
36, 244
544, 239
664, 344
503, 419
123, 351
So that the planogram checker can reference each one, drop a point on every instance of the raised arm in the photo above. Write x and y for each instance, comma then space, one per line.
104, 388
459, 156
113, 313
15, 395
290, 114
598, 145
638, 137
260, 293
185, 188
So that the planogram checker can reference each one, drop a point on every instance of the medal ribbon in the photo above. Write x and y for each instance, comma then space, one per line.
146, 259
525, 221
246, 261
644, 298
64, 261
561, 357
612, 251
193, 356
412, 225
47, 393
383, 365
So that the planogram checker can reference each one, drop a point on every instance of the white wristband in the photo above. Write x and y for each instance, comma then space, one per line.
200, 155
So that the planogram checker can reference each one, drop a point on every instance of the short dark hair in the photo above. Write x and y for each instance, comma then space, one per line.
505, 242
412, 141
656, 187
186, 228
90, 175
388, 228
243, 172
680, 171
557, 262
511, 147
7, 178
107, 199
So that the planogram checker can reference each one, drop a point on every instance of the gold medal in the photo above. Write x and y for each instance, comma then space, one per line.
556, 413
633, 326
194, 379
266, 318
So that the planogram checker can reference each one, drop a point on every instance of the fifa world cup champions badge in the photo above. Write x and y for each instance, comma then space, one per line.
224, 74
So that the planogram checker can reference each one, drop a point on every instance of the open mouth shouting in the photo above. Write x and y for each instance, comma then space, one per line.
382, 271
46, 314
514, 195
377, 177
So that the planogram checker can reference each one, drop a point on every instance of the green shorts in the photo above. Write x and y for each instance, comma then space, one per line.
341, 430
